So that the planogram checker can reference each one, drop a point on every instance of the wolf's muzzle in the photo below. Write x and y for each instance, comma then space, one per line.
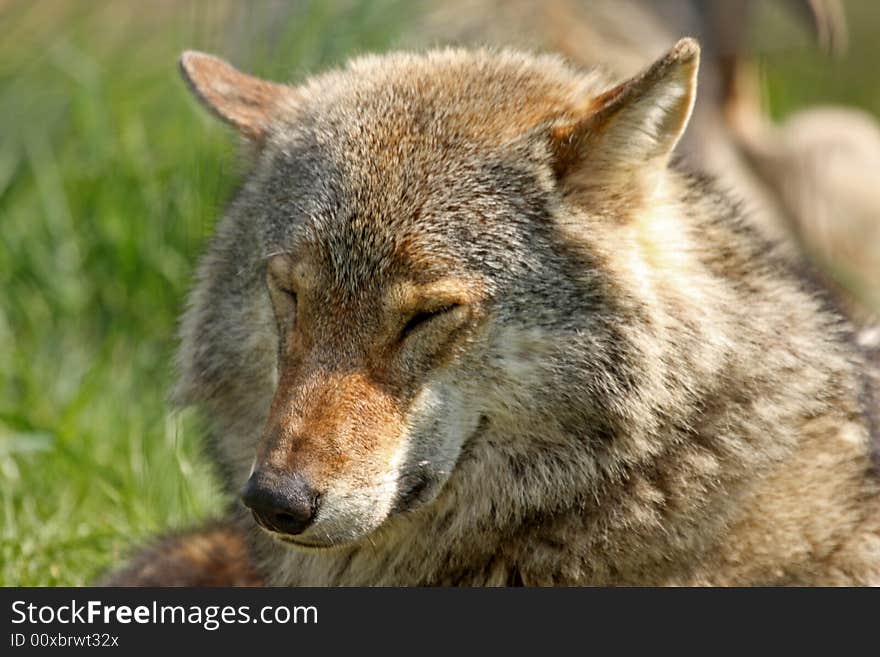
280, 502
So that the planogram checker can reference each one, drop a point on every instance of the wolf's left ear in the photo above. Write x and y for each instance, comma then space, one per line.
246, 102
633, 128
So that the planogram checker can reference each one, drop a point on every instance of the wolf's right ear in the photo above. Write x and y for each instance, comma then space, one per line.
628, 133
247, 103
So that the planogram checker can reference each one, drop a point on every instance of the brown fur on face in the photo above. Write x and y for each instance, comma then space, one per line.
340, 415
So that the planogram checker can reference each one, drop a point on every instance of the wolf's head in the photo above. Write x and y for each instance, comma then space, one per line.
407, 266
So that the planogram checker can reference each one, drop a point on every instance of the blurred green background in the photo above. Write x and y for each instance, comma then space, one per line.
110, 181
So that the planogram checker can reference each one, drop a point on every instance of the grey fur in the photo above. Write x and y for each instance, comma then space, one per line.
651, 397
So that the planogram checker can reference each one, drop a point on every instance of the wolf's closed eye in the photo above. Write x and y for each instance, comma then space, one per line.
284, 296
422, 317
284, 301
278, 283
290, 294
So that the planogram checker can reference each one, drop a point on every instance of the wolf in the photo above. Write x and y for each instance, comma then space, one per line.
468, 321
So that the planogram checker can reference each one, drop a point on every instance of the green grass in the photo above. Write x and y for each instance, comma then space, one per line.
110, 181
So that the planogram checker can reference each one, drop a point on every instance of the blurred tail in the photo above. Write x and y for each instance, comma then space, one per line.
213, 555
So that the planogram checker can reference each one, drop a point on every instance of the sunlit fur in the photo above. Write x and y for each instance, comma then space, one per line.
642, 393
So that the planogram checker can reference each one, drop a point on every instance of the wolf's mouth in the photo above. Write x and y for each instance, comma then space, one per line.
304, 545
416, 492
417, 489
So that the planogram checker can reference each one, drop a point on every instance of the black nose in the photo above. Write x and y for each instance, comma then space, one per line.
280, 502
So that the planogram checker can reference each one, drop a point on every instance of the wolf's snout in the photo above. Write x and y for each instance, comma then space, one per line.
283, 503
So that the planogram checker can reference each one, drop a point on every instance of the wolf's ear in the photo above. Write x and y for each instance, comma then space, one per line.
632, 128
245, 102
